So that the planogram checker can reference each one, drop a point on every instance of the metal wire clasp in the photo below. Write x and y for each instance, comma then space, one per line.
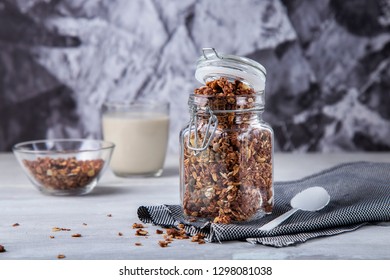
211, 125
210, 53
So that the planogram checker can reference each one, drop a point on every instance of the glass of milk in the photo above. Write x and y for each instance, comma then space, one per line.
140, 133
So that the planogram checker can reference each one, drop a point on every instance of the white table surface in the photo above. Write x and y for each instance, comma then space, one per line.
37, 214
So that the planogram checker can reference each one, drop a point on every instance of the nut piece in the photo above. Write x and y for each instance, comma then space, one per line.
2, 249
61, 256
51, 236
159, 231
135, 225
141, 232
120, 234
60, 229
16, 225
163, 243
76, 235
176, 234
138, 244
199, 237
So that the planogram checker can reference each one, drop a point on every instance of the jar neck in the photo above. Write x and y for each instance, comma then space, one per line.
230, 119
227, 110
227, 104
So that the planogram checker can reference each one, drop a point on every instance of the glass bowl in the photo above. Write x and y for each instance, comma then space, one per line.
64, 166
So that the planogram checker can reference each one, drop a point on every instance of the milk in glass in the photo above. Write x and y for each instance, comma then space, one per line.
141, 139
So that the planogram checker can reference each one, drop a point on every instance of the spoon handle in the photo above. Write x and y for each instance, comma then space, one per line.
275, 222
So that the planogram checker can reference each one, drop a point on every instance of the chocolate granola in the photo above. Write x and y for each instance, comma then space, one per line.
231, 180
64, 173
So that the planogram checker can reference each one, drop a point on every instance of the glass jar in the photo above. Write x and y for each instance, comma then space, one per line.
226, 169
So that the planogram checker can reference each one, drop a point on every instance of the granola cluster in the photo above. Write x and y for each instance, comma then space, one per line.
231, 180
64, 173
170, 235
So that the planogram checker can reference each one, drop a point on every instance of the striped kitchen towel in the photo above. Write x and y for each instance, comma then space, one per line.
359, 195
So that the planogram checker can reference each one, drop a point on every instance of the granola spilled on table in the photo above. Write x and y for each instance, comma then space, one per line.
231, 180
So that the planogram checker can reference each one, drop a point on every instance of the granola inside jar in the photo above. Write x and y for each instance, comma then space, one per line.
226, 170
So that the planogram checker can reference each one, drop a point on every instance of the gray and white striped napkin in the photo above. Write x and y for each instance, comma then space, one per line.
360, 194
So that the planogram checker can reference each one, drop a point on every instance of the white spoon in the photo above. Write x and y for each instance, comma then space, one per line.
311, 199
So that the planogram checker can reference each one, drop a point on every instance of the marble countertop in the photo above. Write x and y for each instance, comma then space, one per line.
111, 208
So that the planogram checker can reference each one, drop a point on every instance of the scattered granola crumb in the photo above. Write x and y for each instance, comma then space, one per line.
135, 225
141, 232
61, 256
138, 244
76, 235
163, 243
168, 238
84, 224
51, 236
198, 237
16, 225
177, 234
2, 249
173, 232
109, 215
60, 229
120, 234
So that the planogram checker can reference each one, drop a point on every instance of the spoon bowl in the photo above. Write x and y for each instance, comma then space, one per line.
311, 199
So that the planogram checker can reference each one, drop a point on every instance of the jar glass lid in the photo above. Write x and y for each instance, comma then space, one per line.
212, 64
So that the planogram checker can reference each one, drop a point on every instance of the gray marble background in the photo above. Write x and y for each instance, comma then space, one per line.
328, 64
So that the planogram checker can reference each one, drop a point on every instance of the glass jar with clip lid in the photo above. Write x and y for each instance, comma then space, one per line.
226, 168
